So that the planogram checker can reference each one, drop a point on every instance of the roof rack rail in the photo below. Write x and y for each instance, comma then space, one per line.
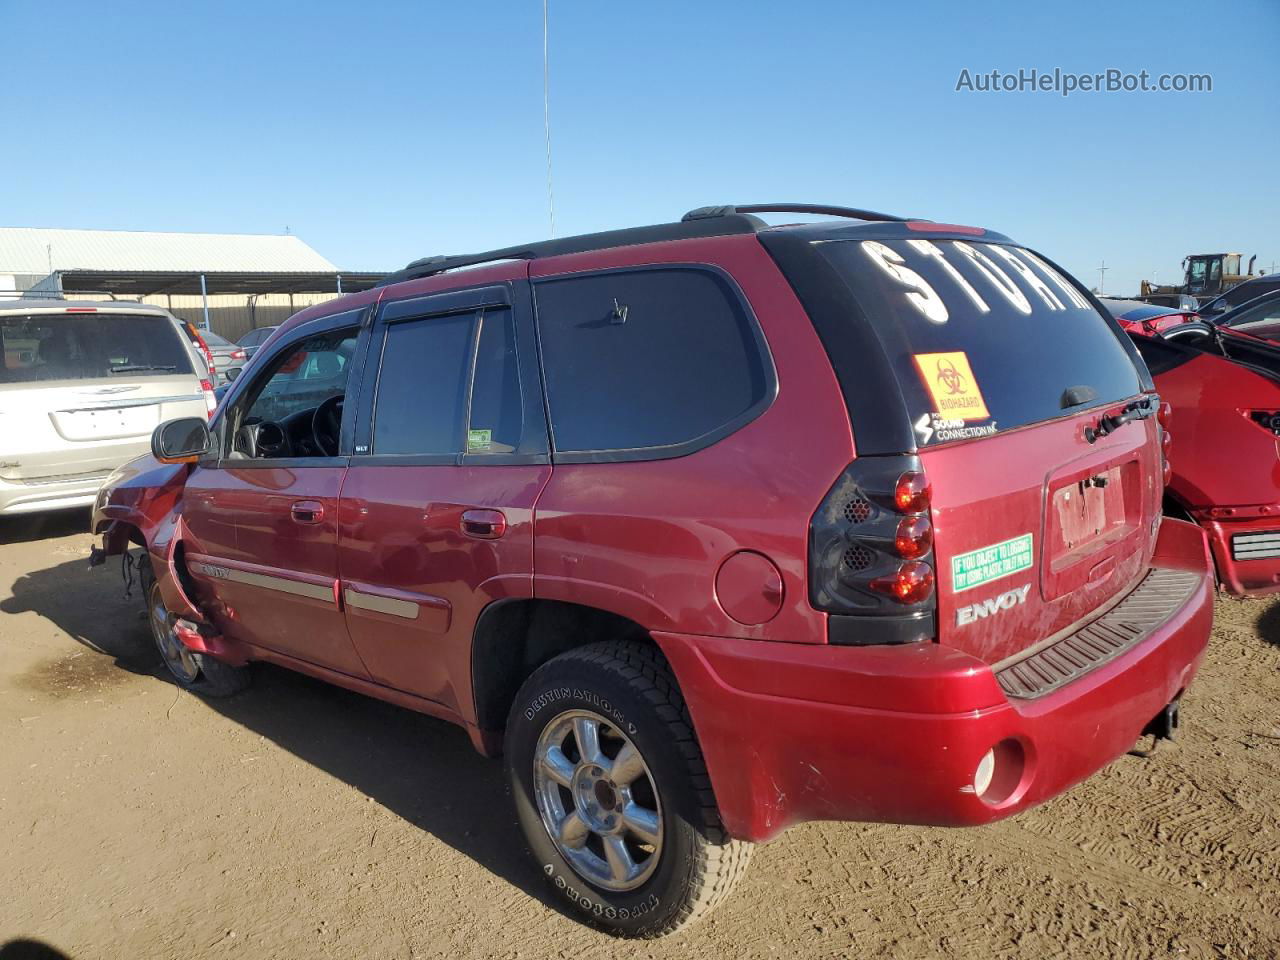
706, 213
702, 222
730, 223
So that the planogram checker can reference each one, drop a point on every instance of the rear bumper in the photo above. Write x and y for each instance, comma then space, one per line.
895, 734
1250, 565
18, 498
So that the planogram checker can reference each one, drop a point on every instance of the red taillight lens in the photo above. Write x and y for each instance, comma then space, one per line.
239, 355
210, 398
911, 495
1166, 441
912, 583
1164, 413
914, 538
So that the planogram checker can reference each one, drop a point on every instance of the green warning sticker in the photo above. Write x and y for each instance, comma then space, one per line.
977, 567
479, 440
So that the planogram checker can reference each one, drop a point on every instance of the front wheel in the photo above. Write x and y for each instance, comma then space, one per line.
194, 671
612, 792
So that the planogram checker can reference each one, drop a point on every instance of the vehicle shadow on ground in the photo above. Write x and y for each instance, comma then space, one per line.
23, 528
1269, 625
420, 768
30, 950
100, 609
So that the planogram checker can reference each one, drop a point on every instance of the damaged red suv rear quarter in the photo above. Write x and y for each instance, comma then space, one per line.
885, 495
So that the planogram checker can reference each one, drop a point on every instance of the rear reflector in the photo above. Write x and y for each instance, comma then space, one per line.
82, 309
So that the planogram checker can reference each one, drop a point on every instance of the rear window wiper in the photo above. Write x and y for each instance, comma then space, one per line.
137, 367
1138, 410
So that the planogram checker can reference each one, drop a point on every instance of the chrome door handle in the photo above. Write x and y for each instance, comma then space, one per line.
483, 524
307, 511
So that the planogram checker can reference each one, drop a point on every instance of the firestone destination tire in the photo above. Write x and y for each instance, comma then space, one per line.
612, 792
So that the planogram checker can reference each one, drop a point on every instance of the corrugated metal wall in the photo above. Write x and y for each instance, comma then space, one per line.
232, 315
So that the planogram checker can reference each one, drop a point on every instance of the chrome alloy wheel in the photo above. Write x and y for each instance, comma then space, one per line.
598, 800
176, 657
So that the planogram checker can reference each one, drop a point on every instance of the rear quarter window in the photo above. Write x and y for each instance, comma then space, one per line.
982, 337
648, 363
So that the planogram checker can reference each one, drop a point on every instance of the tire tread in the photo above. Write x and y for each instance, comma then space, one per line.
721, 860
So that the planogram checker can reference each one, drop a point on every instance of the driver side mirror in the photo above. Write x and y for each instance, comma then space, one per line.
232, 373
1221, 307
181, 441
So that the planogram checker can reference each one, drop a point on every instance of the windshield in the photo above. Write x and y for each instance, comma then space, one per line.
40, 347
983, 337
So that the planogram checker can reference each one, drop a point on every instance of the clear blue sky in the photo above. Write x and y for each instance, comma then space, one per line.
380, 132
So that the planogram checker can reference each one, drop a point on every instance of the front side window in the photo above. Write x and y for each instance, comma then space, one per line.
294, 409
649, 361
448, 386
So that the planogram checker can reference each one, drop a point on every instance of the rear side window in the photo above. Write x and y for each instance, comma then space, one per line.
449, 385
91, 346
983, 337
642, 364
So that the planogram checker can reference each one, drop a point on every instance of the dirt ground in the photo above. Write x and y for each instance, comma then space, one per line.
297, 820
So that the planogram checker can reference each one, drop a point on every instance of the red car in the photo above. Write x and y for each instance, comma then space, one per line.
1138, 317
710, 527
1223, 383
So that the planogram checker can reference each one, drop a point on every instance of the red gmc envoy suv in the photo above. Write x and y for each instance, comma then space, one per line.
710, 527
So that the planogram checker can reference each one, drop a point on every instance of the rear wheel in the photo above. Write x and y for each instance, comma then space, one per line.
193, 671
612, 792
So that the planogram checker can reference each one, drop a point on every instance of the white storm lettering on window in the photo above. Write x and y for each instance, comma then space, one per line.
1032, 280
1059, 280
930, 249
999, 279
922, 296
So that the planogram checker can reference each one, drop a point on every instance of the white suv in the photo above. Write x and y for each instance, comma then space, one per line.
82, 387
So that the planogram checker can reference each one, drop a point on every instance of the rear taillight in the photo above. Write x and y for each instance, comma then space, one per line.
871, 552
911, 492
238, 355
910, 583
210, 398
915, 537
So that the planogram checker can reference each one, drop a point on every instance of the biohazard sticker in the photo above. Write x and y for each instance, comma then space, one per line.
950, 381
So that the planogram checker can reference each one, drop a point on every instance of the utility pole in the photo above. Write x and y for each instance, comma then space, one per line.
1102, 276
